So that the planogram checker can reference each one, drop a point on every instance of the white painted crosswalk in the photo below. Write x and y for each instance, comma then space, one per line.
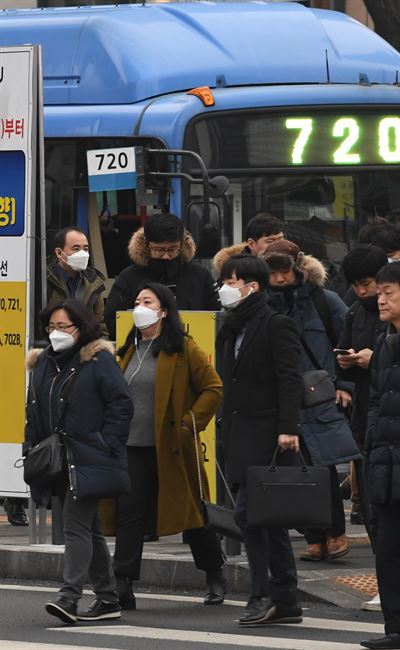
314, 633
215, 638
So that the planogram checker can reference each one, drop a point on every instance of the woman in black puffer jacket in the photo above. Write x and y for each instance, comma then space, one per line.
77, 388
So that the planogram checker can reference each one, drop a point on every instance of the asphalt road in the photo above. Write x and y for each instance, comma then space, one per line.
173, 621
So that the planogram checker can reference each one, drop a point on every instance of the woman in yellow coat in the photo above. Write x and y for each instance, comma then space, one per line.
170, 379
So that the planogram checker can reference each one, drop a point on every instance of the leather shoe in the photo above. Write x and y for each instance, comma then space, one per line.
388, 642
314, 553
216, 584
337, 547
263, 611
126, 596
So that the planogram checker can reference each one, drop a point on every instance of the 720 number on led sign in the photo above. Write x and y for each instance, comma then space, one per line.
347, 140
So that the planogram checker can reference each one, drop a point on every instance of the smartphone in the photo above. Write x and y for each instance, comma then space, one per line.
341, 351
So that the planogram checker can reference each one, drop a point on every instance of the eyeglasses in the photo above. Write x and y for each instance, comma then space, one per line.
60, 326
160, 250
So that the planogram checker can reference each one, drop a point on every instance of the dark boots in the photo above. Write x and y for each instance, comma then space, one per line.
125, 594
216, 584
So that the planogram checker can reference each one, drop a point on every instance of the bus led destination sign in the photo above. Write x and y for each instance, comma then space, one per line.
322, 139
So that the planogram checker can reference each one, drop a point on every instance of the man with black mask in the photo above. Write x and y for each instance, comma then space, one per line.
162, 251
361, 329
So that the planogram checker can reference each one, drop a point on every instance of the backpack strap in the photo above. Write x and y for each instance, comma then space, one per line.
322, 306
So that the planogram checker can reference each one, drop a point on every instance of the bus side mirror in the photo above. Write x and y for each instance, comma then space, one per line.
218, 186
207, 236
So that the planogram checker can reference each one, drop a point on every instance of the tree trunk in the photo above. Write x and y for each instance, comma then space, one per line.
386, 16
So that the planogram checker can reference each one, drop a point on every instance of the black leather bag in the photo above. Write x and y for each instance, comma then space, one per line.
44, 462
289, 497
318, 388
220, 520
217, 518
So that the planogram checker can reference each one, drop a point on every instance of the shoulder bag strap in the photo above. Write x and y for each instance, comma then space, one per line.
322, 306
310, 355
198, 464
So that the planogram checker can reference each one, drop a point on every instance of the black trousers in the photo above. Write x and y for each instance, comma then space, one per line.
388, 564
319, 535
270, 555
137, 514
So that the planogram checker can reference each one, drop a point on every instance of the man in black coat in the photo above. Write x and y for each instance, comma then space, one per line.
361, 329
162, 251
260, 353
382, 445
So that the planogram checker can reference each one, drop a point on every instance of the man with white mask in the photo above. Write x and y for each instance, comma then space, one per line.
260, 367
68, 276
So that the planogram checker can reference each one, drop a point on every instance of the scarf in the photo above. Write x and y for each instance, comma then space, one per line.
236, 318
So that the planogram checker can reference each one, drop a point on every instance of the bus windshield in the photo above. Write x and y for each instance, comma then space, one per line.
322, 202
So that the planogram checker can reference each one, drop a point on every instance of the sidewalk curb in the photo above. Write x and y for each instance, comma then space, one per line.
45, 562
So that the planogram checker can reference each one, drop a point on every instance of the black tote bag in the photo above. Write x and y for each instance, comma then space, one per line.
288, 497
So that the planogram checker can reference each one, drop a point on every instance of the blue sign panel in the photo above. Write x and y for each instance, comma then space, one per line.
12, 193
118, 181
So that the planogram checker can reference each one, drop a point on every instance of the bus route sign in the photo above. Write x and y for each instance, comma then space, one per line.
19, 70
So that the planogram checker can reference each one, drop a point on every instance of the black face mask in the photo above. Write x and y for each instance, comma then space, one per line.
370, 303
165, 270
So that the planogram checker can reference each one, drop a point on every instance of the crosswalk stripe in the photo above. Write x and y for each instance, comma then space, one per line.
308, 622
31, 645
212, 638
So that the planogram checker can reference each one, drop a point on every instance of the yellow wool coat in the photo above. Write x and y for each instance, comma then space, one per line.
184, 381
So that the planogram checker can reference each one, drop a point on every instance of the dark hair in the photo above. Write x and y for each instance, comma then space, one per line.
389, 273
61, 235
248, 268
263, 225
172, 333
363, 262
84, 319
387, 237
163, 227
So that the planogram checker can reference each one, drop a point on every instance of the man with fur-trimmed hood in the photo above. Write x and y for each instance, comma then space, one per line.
296, 290
162, 251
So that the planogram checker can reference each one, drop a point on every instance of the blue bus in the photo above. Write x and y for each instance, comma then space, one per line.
298, 108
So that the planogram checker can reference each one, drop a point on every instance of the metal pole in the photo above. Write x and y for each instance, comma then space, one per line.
42, 525
32, 521
57, 533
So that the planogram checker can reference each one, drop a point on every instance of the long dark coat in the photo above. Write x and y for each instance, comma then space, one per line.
91, 397
324, 428
184, 381
262, 393
383, 433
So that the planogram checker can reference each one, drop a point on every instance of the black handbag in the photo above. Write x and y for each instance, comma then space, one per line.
289, 496
44, 462
319, 387
217, 518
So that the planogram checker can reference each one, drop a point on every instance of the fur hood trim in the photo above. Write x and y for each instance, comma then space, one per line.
225, 254
87, 352
313, 270
306, 266
139, 251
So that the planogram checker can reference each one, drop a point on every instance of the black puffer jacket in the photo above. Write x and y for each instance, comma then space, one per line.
191, 283
362, 327
383, 434
87, 397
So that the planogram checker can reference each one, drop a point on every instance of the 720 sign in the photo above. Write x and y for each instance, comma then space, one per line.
111, 169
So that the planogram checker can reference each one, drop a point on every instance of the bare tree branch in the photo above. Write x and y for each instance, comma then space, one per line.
386, 16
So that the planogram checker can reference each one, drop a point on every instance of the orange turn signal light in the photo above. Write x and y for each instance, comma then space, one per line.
204, 93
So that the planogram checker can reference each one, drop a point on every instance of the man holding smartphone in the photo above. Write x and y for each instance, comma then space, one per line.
362, 327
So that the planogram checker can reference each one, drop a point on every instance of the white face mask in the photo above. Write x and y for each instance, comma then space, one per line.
230, 297
61, 340
145, 317
78, 261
